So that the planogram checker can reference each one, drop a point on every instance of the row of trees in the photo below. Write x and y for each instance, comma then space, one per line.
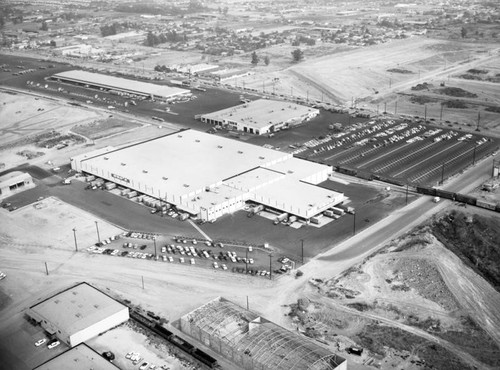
297, 56
256, 59
153, 39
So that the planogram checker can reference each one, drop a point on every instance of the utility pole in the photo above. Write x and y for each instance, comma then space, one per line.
478, 119
154, 241
302, 240
270, 266
248, 307
385, 107
442, 175
441, 113
46, 269
74, 234
396, 107
98, 236
354, 224
474, 155
246, 262
425, 113
142, 278
407, 193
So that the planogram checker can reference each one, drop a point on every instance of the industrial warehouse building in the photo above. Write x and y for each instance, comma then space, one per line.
252, 342
209, 176
78, 314
111, 83
14, 182
261, 116
80, 357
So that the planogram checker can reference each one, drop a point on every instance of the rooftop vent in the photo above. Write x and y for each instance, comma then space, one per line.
186, 185
179, 135
106, 158
165, 178
197, 140
219, 146
240, 152
123, 164
262, 157
144, 171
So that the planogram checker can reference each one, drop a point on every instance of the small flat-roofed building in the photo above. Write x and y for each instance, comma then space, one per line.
14, 182
253, 342
81, 357
209, 176
78, 314
261, 116
139, 88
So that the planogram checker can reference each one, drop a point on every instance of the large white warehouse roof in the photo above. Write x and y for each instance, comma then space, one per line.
121, 84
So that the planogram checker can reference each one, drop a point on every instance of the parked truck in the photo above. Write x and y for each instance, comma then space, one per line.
337, 211
292, 219
110, 185
183, 216
255, 210
280, 218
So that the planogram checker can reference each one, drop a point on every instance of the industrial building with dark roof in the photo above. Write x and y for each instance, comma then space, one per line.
78, 314
253, 342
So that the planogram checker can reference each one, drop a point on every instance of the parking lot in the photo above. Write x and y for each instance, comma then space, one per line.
407, 152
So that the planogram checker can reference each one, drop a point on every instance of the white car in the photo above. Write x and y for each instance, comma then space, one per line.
170, 259
2, 275
38, 343
53, 344
192, 261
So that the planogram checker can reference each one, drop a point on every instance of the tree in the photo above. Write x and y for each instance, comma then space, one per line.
44, 27
267, 60
255, 58
297, 55
463, 32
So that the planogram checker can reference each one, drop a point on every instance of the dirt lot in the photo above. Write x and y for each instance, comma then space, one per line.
130, 337
23, 117
415, 303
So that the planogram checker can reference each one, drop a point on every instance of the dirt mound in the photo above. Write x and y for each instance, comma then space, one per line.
422, 86
399, 70
456, 92
475, 239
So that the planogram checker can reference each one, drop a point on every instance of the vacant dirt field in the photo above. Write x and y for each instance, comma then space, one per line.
422, 296
23, 116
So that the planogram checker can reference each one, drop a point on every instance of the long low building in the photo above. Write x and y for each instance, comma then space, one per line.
261, 116
209, 176
107, 82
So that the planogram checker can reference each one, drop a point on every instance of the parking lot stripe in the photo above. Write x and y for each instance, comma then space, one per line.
200, 230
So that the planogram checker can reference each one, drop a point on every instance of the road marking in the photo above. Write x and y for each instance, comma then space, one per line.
199, 230
427, 158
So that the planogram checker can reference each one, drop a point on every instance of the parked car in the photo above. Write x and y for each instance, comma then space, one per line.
144, 366
38, 343
53, 344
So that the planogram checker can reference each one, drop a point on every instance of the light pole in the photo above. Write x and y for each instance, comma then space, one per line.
154, 241
74, 234
98, 236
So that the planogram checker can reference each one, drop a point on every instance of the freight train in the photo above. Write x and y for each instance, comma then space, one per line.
152, 324
467, 199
